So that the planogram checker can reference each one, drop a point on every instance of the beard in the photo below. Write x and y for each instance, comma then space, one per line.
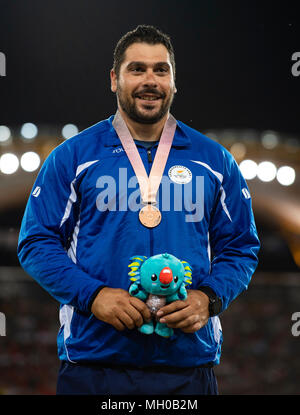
148, 116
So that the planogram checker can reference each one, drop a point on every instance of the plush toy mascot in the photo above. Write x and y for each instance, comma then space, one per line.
158, 280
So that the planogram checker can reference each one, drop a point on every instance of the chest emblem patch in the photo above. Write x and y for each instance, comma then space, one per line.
180, 174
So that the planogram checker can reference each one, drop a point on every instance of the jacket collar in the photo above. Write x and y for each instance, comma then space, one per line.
180, 138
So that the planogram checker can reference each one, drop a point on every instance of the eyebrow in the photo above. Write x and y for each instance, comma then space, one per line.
140, 63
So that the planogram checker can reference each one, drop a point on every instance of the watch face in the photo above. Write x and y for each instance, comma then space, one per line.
215, 306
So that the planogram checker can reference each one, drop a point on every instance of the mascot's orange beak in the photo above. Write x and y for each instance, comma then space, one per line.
166, 275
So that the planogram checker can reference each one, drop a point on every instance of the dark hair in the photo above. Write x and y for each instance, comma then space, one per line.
142, 34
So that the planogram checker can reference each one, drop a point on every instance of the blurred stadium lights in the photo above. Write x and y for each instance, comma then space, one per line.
248, 169
4, 134
30, 161
286, 175
257, 154
69, 130
238, 150
29, 131
269, 139
266, 171
9, 163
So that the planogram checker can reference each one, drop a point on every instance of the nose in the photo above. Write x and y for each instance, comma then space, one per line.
166, 275
150, 78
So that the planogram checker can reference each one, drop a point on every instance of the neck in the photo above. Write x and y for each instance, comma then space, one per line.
144, 132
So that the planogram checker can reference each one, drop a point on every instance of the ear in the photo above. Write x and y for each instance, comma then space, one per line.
187, 272
135, 267
113, 81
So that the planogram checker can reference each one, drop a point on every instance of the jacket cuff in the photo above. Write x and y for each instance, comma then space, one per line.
207, 290
93, 296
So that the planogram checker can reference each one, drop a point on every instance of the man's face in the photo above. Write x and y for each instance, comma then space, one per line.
145, 86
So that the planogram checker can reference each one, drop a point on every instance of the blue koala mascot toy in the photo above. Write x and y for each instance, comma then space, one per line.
158, 280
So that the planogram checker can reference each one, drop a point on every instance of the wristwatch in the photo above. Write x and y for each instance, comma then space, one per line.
215, 302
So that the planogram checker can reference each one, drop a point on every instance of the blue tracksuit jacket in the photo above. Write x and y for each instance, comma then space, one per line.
81, 226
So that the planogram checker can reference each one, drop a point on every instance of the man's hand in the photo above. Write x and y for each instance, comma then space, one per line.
118, 308
188, 315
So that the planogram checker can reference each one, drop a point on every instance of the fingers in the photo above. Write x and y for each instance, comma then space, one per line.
142, 308
137, 314
130, 317
117, 324
187, 323
125, 320
180, 320
194, 327
178, 315
173, 313
189, 315
172, 307
118, 308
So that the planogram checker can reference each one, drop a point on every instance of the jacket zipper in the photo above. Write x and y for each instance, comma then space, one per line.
150, 160
149, 156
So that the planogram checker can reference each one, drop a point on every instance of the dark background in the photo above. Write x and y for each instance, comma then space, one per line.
233, 60
233, 70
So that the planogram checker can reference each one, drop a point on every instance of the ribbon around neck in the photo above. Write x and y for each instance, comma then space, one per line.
148, 185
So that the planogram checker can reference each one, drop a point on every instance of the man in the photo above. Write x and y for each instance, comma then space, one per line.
83, 225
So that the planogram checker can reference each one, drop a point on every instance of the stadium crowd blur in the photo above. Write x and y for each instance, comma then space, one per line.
259, 347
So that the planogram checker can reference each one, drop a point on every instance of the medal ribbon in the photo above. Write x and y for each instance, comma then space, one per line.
148, 185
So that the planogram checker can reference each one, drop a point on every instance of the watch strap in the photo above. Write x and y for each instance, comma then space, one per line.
215, 302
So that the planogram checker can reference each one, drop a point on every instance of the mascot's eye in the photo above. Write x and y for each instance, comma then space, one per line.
153, 277
175, 279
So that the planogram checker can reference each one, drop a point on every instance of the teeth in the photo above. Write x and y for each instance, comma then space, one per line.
148, 98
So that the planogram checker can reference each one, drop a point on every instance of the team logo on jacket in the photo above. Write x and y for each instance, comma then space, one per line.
36, 191
180, 174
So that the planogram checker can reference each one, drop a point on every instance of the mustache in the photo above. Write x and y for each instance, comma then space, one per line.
151, 91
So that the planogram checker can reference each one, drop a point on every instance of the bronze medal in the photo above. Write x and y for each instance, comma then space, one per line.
150, 216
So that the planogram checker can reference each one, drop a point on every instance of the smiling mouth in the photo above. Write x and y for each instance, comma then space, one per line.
148, 97
166, 286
